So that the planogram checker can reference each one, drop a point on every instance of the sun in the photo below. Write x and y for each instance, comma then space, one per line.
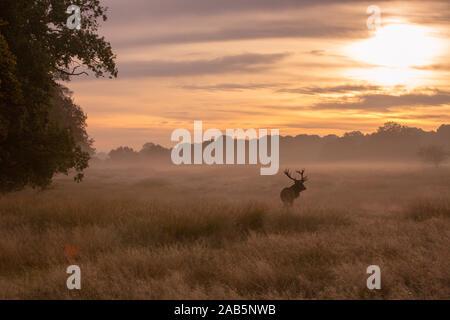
397, 45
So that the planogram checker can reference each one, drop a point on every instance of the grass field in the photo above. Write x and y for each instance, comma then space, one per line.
214, 233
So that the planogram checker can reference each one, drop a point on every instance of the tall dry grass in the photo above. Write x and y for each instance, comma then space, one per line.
182, 235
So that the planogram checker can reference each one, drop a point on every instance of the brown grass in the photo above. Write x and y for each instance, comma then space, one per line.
154, 235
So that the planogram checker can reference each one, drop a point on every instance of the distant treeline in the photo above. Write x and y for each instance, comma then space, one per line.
391, 142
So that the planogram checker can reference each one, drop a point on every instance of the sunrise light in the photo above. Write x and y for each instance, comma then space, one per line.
397, 45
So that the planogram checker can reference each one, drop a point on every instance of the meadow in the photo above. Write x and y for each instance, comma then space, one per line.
222, 233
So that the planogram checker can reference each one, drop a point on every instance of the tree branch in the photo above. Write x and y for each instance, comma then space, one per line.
72, 73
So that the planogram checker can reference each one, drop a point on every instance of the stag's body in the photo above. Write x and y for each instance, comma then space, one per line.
288, 195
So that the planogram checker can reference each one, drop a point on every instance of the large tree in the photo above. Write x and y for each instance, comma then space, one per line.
37, 50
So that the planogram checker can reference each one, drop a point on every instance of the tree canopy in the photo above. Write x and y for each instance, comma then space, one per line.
41, 131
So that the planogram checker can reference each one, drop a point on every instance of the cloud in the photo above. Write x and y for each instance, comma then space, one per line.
161, 9
430, 13
423, 116
232, 86
382, 102
245, 31
212, 114
341, 125
434, 67
316, 52
334, 89
250, 62
304, 90
152, 23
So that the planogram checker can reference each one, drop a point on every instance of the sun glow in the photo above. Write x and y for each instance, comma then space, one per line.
397, 45
389, 76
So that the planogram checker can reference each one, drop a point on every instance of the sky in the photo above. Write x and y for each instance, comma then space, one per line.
303, 67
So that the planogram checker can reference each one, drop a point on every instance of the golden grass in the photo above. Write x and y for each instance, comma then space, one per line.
133, 241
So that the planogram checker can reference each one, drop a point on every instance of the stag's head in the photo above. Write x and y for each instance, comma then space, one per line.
298, 183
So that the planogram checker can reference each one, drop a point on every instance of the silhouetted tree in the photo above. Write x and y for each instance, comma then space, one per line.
152, 149
123, 153
36, 50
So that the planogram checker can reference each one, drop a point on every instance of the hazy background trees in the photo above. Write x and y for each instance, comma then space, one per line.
390, 142
150, 152
433, 154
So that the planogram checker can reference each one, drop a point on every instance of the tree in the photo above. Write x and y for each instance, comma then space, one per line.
37, 50
70, 116
433, 154
151, 149
122, 153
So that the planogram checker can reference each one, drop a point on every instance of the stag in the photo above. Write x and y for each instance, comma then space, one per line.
288, 195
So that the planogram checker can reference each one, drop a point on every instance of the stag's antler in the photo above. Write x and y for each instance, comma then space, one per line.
286, 172
304, 178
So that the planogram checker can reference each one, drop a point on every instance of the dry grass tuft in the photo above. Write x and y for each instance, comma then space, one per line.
421, 210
